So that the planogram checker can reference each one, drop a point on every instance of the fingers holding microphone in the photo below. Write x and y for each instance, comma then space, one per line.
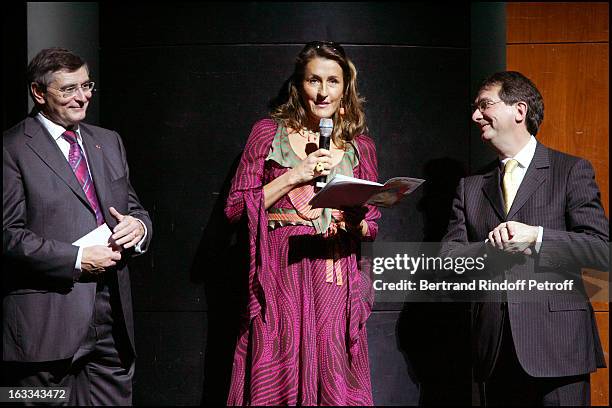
323, 162
317, 163
319, 167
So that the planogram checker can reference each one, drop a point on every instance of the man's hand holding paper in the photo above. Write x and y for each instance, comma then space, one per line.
96, 259
101, 248
97, 251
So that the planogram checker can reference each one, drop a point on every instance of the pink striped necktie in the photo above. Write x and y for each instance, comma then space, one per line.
78, 162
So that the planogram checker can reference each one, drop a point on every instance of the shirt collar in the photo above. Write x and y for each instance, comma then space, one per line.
53, 128
525, 155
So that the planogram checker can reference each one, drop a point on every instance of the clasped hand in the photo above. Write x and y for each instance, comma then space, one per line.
306, 170
513, 237
127, 233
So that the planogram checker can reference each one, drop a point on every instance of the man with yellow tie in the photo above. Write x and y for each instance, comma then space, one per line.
540, 211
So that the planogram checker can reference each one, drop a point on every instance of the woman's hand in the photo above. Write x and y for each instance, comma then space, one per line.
302, 173
354, 219
307, 169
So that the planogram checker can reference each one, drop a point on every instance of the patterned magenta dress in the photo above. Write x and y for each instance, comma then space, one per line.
303, 340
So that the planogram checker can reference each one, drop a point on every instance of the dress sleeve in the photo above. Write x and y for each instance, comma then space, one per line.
250, 172
368, 170
246, 199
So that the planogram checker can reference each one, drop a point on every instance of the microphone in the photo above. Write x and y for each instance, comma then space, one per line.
326, 126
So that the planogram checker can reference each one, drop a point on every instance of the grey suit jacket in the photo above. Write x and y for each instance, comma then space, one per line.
45, 312
555, 336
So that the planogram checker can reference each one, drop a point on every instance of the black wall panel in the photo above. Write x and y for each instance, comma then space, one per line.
195, 111
183, 86
170, 372
14, 45
393, 23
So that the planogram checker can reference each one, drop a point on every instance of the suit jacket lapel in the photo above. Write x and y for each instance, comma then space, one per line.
95, 159
492, 191
41, 142
535, 175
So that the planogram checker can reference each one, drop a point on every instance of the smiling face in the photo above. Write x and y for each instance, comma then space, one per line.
501, 125
322, 88
497, 120
69, 111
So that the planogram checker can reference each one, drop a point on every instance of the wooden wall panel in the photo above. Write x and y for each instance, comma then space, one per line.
557, 22
597, 285
600, 381
573, 79
563, 48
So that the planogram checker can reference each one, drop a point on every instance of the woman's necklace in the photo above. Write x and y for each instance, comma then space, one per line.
309, 135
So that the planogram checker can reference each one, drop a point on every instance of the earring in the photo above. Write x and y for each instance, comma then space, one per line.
341, 110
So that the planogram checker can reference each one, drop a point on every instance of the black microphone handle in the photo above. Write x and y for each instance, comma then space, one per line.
324, 142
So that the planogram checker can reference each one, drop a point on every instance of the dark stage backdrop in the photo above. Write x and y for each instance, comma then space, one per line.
183, 84
14, 48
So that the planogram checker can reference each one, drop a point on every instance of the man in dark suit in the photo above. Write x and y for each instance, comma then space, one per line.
538, 212
67, 309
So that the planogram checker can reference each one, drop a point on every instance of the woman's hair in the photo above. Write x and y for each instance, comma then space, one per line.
291, 111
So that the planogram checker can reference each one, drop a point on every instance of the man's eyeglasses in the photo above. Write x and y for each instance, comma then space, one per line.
70, 91
483, 104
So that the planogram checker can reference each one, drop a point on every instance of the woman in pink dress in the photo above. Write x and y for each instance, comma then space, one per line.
303, 340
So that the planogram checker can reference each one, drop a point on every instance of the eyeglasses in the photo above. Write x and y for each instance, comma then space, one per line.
483, 104
70, 91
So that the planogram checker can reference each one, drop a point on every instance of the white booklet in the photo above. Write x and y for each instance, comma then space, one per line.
99, 236
344, 191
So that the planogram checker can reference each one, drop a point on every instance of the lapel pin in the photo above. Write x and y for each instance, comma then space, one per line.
98, 147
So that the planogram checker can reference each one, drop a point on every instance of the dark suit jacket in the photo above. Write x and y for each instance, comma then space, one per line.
46, 313
556, 335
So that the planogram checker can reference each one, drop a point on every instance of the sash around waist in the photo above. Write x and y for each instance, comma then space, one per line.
278, 217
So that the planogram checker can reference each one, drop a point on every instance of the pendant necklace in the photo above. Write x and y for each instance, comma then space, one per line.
309, 135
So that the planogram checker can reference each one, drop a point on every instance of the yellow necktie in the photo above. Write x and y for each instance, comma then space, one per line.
509, 187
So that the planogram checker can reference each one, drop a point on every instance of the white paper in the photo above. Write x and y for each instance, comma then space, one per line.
99, 236
342, 179
345, 191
